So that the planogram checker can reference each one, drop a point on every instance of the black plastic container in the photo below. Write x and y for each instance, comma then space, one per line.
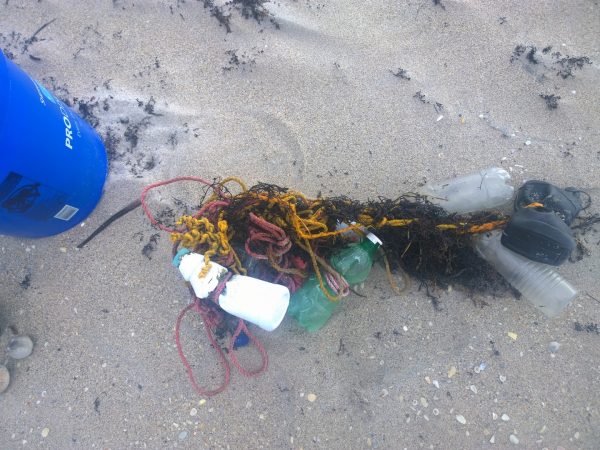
540, 235
565, 203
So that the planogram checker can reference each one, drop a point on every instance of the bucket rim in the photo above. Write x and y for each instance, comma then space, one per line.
4, 88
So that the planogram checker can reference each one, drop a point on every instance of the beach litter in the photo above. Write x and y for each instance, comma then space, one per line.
256, 254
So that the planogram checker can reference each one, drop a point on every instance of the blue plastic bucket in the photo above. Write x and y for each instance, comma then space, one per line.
52, 163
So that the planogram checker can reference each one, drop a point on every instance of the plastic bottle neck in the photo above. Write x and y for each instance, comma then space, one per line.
370, 244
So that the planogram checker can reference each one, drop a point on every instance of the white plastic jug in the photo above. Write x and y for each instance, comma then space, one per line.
257, 301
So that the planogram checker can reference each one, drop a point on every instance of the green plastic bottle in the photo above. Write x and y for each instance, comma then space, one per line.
309, 305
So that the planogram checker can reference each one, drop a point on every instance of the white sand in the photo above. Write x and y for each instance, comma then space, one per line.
316, 108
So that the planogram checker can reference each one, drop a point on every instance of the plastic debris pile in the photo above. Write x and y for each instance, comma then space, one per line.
256, 254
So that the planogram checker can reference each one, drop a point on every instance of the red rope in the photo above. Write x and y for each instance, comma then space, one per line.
208, 325
276, 245
164, 183
263, 353
211, 316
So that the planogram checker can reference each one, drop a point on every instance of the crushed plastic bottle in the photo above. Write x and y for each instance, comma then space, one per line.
479, 191
542, 286
257, 301
310, 306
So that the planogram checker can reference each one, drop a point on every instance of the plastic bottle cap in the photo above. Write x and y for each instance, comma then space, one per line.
180, 254
374, 239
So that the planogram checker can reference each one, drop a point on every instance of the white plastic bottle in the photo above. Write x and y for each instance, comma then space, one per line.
257, 301
538, 283
482, 190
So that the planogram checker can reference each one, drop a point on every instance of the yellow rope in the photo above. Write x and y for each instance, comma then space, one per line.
315, 262
202, 232
390, 277
534, 205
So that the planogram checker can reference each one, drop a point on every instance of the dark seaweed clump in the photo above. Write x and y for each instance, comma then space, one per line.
248, 9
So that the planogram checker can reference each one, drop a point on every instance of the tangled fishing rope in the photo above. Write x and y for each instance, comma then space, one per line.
281, 236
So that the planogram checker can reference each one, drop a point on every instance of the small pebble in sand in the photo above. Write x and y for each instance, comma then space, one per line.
528, 142
193, 412
183, 435
202, 402
493, 439
461, 419
513, 439
63, 249
512, 335
4, 378
19, 347
436, 383
494, 416
45, 432
424, 402
553, 346
451, 372
311, 397
473, 388
505, 417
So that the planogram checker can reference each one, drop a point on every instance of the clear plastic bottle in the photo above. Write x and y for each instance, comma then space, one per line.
257, 301
310, 306
485, 189
538, 283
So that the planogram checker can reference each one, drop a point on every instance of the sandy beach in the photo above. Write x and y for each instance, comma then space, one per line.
357, 98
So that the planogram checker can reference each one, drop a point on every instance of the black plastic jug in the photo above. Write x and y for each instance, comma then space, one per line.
565, 203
